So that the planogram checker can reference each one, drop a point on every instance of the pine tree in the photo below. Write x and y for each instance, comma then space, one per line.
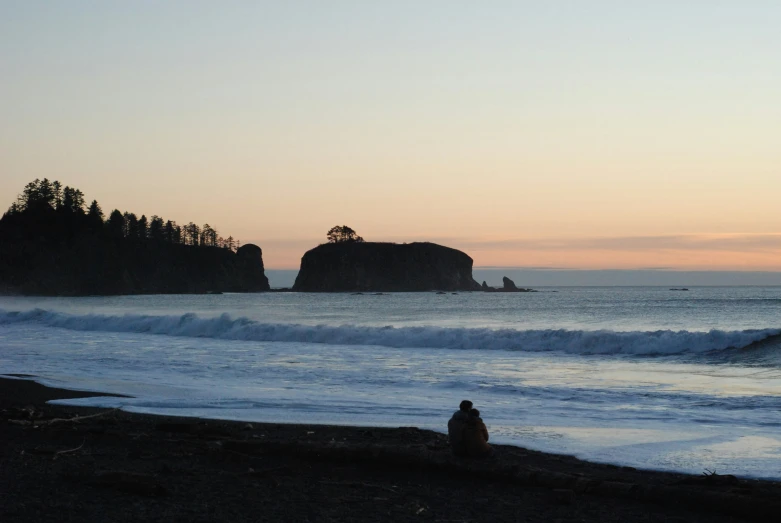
46, 192
169, 232
116, 224
57, 189
78, 201
95, 211
131, 225
156, 228
95, 215
192, 234
68, 200
142, 227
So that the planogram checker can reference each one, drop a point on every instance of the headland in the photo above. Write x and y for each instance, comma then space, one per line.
51, 245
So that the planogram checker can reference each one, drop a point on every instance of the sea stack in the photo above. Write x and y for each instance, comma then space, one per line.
384, 267
252, 274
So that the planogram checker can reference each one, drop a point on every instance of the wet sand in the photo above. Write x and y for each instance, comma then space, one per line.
60, 463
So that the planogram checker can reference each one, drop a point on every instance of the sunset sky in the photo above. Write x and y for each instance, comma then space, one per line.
572, 134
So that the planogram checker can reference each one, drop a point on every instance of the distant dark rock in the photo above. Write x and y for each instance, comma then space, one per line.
509, 285
680, 289
384, 267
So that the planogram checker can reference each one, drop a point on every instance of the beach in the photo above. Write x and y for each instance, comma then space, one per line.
64, 463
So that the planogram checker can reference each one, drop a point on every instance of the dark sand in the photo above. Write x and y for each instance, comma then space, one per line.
128, 467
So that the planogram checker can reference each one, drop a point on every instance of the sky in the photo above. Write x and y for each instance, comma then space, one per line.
566, 134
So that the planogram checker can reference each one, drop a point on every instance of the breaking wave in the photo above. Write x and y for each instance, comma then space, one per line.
662, 342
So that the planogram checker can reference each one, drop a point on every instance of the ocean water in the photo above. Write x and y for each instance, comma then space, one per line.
640, 376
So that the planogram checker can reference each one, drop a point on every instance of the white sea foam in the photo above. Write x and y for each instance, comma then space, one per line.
660, 342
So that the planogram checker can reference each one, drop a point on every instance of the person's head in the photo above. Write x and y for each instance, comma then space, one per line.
465, 405
474, 413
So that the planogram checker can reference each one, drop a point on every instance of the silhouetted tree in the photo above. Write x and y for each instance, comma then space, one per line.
57, 190
78, 201
116, 224
95, 215
67, 200
46, 192
131, 225
342, 233
192, 234
156, 228
142, 227
72, 200
168, 232
95, 211
42, 196
29, 195
37, 195
208, 236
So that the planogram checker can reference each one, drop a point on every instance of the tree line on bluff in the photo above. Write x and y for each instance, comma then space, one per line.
49, 199
52, 243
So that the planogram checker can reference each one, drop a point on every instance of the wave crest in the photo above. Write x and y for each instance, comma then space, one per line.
661, 342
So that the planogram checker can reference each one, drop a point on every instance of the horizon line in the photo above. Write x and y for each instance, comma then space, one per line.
575, 269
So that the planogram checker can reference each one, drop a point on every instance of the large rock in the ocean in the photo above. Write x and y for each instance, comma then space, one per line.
252, 274
508, 284
384, 267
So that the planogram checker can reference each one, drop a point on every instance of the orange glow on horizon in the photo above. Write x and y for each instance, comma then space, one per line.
705, 252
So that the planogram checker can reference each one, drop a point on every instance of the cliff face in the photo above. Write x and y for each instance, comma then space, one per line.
384, 267
124, 267
37, 261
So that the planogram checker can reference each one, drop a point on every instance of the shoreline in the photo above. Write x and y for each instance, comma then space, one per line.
111, 464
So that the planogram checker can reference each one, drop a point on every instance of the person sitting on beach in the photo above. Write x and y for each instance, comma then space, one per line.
456, 426
475, 436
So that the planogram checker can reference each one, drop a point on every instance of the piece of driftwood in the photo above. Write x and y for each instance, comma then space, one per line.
44, 423
68, 451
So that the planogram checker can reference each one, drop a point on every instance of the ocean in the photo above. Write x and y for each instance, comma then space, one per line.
639, 376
